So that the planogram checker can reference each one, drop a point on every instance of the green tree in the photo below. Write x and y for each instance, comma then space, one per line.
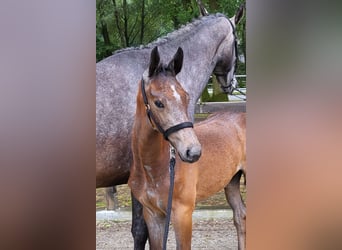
125, 23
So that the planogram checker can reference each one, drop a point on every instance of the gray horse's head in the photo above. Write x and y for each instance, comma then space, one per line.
228, 55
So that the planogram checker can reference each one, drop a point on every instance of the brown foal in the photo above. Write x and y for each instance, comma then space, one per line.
210, 157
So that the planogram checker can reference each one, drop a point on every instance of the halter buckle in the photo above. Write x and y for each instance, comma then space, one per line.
172, 152
147, 106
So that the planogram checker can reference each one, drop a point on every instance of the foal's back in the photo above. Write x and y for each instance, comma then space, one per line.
223, 140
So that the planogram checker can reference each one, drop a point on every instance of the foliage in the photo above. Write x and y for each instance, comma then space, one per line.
130, 23
127, 23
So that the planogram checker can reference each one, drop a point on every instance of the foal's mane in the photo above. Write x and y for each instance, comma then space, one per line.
185, 30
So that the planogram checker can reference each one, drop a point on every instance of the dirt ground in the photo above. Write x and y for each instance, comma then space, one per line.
207, 234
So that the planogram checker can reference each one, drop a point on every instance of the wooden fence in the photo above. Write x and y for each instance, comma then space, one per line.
236, 103
210, 107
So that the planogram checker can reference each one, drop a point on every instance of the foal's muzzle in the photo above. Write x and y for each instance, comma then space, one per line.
193, 154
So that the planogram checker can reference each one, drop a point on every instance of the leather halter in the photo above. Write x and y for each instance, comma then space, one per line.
235, 47
230, 85
166, 133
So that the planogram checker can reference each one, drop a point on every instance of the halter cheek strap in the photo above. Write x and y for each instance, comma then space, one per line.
231, 85
166, 133
235, 46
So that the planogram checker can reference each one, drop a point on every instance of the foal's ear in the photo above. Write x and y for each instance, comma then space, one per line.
154, 61
177, 61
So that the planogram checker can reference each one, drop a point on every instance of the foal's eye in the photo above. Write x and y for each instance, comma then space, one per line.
159, 104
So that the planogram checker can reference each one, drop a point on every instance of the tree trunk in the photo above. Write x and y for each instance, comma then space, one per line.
174, 16
117, 23
105, 33
104, 30
186, 4
142, 27
244, 40
213, 5
125, 12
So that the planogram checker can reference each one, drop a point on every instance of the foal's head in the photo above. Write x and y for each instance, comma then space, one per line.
168, 105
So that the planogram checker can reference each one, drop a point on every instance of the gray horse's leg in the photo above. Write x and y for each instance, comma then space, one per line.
139, 227
111, 196
233, 196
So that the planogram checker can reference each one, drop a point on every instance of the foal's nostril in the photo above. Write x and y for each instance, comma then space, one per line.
193, 154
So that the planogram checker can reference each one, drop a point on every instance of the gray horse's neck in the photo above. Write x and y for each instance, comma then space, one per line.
198, 64
200, 42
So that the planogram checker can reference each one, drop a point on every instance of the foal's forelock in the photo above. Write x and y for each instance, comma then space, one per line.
164, 88
171, 92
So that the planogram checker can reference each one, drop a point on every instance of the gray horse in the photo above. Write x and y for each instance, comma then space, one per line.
209, 47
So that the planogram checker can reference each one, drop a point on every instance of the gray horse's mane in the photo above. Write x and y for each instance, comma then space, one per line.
184, 29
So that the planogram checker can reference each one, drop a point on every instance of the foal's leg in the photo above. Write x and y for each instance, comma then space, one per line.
139, 228
155, 223
182, 224
233, 196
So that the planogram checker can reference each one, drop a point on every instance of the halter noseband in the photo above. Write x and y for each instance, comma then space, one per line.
169, 131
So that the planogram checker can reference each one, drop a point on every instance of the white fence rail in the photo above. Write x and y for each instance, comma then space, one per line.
236, 102
210, 107
236, 95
